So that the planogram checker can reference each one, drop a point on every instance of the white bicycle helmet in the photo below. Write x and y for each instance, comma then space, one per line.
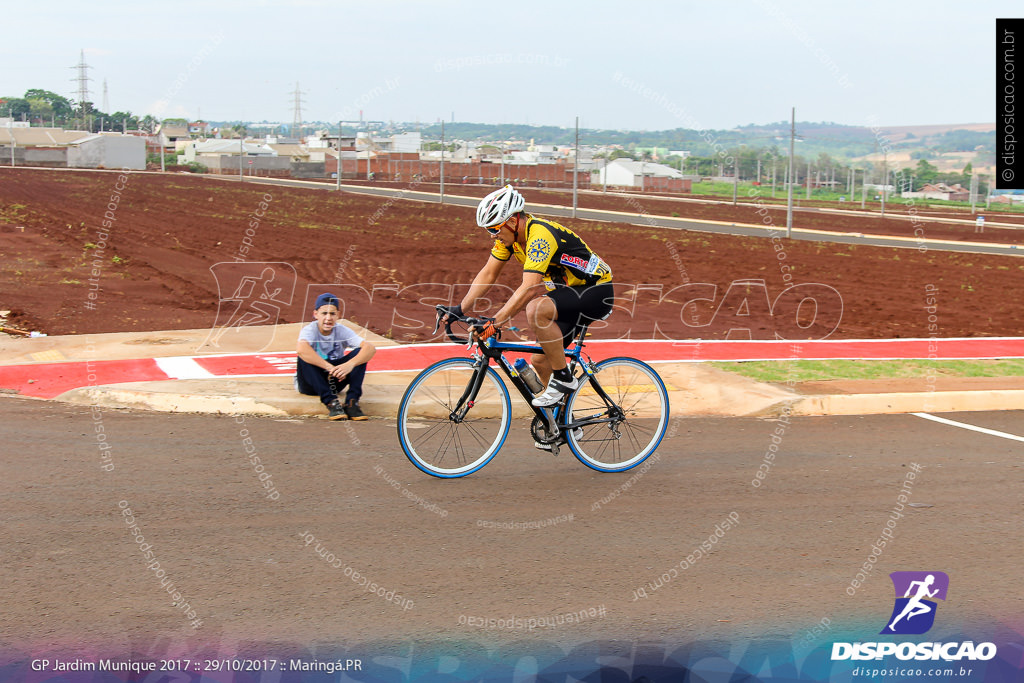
498, 206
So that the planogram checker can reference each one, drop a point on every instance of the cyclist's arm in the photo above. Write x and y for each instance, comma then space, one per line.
531, 287
487, 276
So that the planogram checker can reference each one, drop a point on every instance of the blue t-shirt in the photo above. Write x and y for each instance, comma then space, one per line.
331, 346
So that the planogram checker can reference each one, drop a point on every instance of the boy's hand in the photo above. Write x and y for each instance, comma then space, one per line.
340, 371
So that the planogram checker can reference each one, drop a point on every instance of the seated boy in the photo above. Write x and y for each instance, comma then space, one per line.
330, 358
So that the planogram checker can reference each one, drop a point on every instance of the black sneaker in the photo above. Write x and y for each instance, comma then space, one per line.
353, 411
335, 411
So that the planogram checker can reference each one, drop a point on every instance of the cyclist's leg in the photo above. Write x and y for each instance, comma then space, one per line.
547, 320
574, 307
555, 316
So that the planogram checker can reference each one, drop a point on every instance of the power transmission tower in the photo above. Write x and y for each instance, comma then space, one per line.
106, 100
297, 115
83, 88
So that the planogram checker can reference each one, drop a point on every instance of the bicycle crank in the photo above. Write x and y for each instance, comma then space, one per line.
541, 432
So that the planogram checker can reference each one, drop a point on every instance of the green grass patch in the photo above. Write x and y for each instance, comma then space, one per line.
818, 370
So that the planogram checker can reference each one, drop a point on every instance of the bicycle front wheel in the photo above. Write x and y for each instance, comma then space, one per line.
624, 434
436, 441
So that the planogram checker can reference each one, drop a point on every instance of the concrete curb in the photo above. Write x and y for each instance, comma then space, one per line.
905, 402
276, 398
693, 390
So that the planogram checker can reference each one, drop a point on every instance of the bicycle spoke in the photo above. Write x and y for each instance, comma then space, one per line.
438, 425
638, 398
446, 447
475, 433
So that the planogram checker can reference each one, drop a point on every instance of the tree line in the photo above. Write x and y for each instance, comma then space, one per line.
44, 108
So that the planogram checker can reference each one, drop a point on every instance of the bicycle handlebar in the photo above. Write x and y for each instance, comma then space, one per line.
443, 311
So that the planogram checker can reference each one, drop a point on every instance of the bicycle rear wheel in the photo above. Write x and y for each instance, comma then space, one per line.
632, 428
432, 438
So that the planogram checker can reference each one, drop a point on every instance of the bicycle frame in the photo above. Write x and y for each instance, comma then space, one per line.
491, 349
601, 433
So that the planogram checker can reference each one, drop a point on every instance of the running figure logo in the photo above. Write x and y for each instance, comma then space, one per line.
914, 611
251, 294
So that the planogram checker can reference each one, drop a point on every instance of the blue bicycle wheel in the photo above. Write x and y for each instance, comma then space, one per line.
433, 439
625, 434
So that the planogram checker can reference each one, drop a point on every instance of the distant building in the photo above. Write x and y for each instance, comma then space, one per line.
641, 175
108, 150
200, 150
1008, 199
168, 134
57, 148
941, 191
40, 137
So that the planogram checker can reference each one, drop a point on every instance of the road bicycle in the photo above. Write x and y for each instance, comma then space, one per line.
455, 415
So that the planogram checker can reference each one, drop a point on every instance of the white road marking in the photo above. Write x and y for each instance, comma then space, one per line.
963, 425
183, 367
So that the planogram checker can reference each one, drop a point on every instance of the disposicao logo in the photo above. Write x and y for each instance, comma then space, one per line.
914, 611
913, 614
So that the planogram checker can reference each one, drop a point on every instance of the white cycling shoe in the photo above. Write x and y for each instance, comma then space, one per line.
555, 391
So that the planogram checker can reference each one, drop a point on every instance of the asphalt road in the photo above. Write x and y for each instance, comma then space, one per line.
523, 542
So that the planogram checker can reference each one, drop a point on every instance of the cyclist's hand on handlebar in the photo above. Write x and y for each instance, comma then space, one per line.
486, 329
451, 313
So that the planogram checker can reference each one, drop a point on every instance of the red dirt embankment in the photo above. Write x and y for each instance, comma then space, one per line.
150, 267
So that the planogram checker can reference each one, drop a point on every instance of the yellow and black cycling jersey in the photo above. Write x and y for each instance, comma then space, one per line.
557, 253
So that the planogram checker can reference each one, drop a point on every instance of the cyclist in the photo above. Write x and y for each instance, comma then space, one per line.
565, 284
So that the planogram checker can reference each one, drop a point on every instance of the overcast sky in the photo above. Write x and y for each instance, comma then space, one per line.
635, 65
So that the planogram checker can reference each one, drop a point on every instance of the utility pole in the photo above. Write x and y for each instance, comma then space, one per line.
337, 185
442, 161
885, 178
575, 166
735, 177
789, 175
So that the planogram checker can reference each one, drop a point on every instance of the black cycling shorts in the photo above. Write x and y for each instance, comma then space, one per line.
578, 306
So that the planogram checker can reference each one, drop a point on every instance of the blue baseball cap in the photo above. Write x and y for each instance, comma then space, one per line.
327, 299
